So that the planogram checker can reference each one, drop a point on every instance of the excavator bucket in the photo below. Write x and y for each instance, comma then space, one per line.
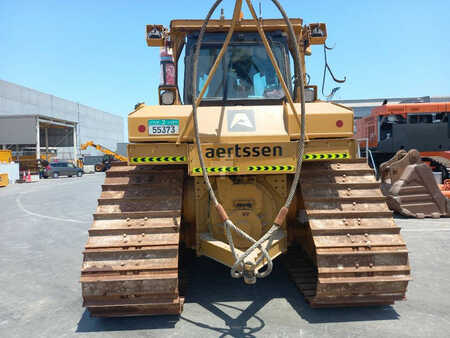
410, 187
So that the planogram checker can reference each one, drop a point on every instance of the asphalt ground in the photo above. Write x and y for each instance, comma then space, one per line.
44, 228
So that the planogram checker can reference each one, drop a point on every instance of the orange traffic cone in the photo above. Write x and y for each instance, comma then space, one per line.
445, 188
24, 177
29, 177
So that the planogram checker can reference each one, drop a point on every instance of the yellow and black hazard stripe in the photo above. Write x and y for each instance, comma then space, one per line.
326, 156
213, 170
271, 168
158, 159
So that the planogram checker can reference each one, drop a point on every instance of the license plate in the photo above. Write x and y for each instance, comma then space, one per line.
163, 127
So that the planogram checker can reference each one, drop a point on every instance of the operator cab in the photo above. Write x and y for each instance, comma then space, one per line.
245, 74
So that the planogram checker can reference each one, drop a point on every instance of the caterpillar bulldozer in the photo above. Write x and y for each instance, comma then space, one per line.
249, 166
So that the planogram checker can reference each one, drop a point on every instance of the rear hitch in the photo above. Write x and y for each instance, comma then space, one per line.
249, 274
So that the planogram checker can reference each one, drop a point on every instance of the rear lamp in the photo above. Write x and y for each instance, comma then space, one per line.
168, 97
339, 123
141, 128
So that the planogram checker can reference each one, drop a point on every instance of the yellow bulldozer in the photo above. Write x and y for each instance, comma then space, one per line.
248, 166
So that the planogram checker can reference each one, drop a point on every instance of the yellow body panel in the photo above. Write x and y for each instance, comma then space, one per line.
157, 153
321, 119
5, 156
244, 158
272, 123
231, 159
4, 180
183, 26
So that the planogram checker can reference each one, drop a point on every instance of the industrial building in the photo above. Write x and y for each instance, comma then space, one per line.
32, 122
363, 107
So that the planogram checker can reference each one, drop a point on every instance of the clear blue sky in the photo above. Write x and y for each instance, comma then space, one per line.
94, 52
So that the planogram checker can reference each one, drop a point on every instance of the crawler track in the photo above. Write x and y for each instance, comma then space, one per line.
355, 253
445, 162
130, 265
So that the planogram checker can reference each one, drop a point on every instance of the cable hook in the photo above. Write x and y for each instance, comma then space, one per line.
328, 68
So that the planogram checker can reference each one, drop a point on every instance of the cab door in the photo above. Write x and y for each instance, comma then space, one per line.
70, 169
63, 169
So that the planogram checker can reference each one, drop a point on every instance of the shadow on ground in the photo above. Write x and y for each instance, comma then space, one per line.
91, 324
209, 284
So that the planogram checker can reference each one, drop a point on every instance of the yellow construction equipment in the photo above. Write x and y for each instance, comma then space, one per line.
5, 156
242, 171
104, 151
4, 180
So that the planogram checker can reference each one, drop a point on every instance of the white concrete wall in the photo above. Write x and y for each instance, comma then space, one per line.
93, 124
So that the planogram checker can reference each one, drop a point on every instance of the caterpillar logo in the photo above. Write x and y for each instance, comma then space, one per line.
160, 159
336, 156
271, 168
217, 170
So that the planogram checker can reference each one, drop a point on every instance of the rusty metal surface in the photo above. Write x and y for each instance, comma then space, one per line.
357, 256
411, 188
130, 265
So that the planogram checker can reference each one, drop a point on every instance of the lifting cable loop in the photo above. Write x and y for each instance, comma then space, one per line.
239, 266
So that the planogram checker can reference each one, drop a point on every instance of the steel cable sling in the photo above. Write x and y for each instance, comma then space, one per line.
239, 268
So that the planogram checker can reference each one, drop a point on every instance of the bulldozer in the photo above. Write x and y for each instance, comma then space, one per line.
245, 166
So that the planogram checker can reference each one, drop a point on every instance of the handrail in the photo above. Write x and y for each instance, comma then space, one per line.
369, 155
